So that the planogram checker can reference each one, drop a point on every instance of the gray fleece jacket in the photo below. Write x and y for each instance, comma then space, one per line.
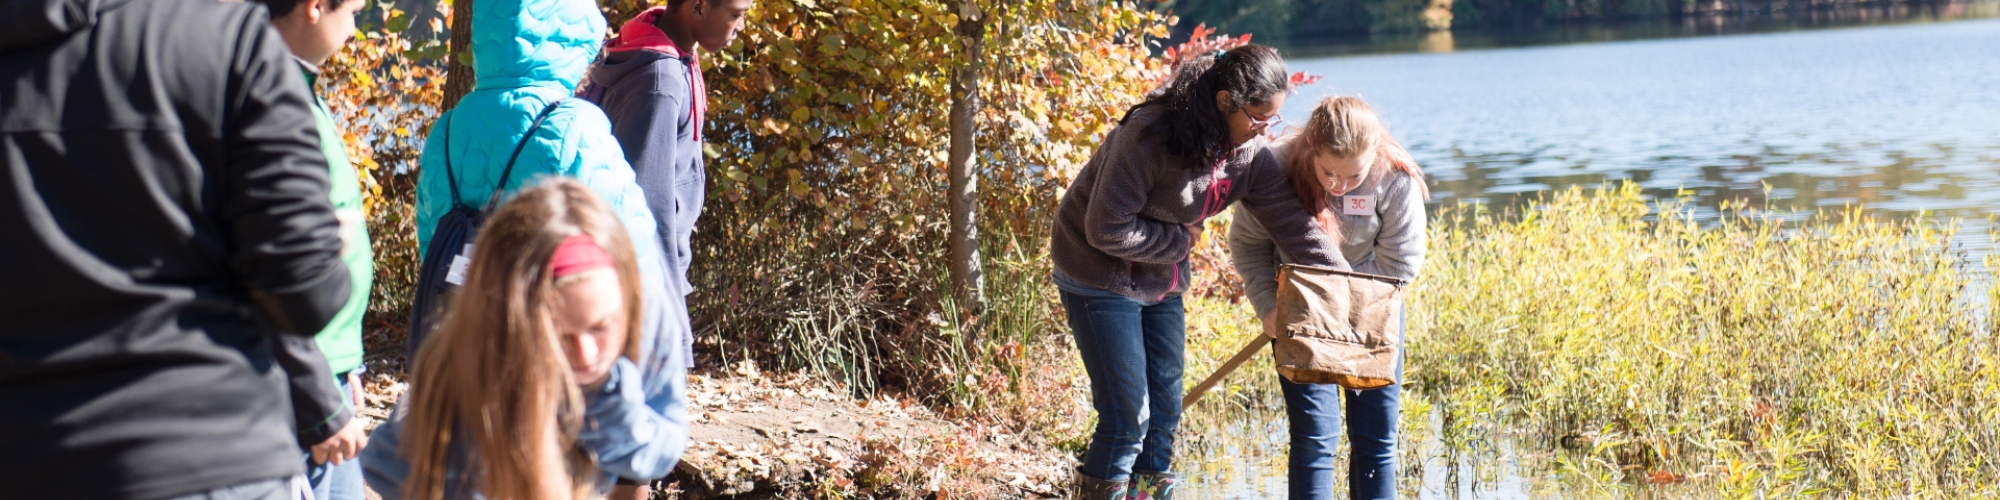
1387, 239
1120, 226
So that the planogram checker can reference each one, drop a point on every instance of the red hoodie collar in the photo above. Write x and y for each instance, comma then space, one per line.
642, 33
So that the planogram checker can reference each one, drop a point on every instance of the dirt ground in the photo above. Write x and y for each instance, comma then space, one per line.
758, 435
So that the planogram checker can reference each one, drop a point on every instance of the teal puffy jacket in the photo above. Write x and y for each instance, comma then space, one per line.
528, 53
523, 64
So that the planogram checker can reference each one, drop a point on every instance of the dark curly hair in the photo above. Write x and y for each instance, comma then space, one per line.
282, 8
1194, 127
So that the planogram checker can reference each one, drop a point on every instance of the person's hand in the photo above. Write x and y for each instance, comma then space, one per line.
344, 445
1194, 234
1270, 322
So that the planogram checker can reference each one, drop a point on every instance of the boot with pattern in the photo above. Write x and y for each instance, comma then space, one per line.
1153, 486
1090, 488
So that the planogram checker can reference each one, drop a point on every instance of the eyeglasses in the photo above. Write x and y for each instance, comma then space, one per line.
1267, 121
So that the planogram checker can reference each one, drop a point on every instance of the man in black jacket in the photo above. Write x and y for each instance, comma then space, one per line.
163, 222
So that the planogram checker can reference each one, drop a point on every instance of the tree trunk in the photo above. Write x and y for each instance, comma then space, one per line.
458, 76
967, 275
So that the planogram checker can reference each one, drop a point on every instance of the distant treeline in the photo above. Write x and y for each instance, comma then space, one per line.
1279, 21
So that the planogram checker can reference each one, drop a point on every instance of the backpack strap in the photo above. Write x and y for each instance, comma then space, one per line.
444, 135
501, 186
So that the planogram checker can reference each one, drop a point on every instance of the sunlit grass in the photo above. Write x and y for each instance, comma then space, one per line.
1748, 354
1620, 345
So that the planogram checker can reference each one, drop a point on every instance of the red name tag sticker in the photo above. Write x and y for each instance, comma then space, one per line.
1358, 205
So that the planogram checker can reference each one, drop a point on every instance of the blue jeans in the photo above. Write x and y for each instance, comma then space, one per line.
1315, 414
1132, 353
337, 482
267, 489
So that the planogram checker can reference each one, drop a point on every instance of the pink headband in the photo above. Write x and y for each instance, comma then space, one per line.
577, 254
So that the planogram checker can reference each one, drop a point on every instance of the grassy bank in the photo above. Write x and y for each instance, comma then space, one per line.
1618, 345
1635, 348
1750, 353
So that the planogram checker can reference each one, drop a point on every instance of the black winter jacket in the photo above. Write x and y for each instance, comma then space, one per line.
163, 217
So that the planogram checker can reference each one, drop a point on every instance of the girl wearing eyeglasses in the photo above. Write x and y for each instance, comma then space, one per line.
1123, 234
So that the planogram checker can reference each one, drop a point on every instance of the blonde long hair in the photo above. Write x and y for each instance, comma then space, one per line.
1345, 127
495, 369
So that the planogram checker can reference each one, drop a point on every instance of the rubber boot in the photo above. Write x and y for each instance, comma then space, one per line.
1153, 486
1090, 488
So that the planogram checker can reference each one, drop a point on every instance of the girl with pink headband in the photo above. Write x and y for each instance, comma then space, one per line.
549, 311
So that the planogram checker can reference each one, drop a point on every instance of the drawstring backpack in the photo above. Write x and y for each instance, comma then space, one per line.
450, 255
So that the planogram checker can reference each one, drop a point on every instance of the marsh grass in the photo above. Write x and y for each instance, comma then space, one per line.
1612, 345
1748, 353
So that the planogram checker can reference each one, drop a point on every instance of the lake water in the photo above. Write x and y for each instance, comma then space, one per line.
1896, 118
1900, 119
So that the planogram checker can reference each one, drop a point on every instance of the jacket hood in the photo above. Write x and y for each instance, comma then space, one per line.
521, 43
638, 45
617, 65
26, 23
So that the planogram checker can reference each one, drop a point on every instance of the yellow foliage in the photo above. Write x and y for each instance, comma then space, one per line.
822, 242
383, 94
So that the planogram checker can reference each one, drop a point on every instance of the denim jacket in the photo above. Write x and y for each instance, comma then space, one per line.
625, 439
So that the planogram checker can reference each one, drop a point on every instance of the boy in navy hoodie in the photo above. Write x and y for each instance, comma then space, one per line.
650, 85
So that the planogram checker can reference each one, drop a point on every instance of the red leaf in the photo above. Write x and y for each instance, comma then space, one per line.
1301, 79
1664, 477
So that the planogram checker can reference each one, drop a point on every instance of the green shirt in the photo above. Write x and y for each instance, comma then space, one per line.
341, 340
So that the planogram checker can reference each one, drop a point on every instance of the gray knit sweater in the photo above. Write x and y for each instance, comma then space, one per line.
1388, 241
1120, 226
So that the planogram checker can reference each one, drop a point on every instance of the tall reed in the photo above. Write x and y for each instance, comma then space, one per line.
1755, 353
